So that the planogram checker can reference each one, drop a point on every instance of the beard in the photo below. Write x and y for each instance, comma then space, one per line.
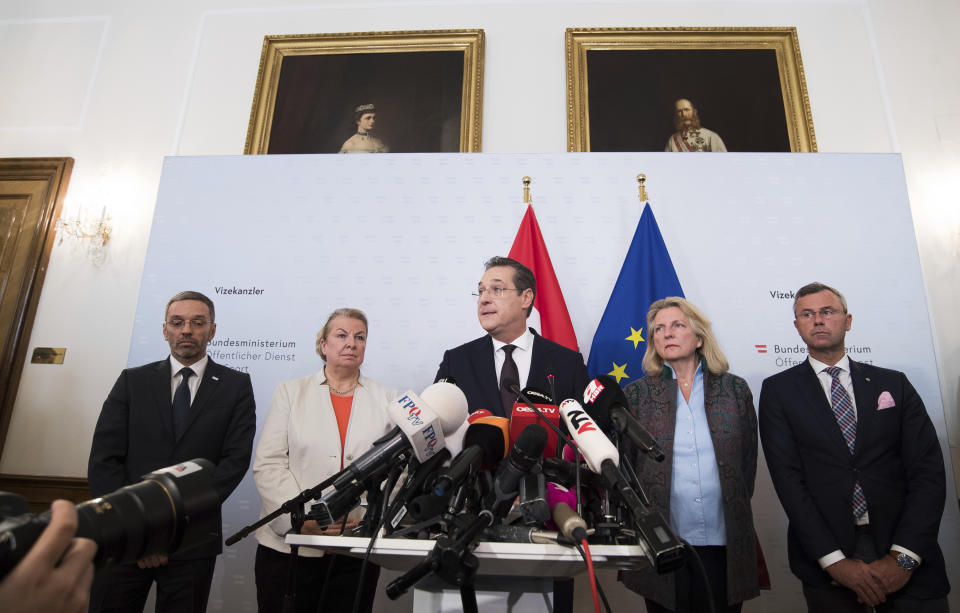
682, 124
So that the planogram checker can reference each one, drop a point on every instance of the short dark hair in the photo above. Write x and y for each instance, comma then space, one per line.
815, 288
523, 277
191, 295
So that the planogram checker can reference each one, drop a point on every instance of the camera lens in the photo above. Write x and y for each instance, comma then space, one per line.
172, 510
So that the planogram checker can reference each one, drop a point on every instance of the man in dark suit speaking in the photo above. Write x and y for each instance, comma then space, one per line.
856, 463
511, 353
160, 414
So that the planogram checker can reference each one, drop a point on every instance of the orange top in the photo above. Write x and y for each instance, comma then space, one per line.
341, 406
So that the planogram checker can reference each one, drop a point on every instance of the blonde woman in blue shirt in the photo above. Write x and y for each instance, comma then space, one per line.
704, 420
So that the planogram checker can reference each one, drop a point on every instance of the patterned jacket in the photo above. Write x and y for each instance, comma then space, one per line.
733, 428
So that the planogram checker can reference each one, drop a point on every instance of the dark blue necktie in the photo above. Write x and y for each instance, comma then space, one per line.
181, 401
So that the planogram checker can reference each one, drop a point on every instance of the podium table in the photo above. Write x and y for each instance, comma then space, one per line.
525, 571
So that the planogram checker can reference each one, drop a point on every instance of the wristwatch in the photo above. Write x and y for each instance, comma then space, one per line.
904, 561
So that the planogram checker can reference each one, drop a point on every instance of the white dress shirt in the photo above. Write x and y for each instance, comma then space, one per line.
198, 368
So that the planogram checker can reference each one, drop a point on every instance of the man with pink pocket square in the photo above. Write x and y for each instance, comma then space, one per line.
858, 468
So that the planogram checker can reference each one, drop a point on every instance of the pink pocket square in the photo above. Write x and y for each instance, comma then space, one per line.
885, 401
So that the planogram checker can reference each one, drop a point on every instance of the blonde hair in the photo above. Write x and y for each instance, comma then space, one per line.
343, 312
699, 324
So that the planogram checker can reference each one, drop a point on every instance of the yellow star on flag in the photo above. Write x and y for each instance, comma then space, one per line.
620, 372
635, 337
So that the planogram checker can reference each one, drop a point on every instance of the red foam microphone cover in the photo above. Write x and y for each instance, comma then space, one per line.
522, 416
472, 417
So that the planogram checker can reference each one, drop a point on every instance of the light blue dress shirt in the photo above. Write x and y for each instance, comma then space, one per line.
696, 499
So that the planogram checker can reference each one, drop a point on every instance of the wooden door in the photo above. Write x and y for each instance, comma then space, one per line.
31, 195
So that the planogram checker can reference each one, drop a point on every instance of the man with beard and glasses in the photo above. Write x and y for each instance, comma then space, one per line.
690, 135
183, 407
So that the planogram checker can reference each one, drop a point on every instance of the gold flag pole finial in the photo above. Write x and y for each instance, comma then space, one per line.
641, 180
526, 191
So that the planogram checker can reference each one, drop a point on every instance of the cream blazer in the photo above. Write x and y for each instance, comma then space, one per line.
300, 444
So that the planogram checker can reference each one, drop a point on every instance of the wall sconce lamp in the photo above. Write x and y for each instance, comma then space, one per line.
81, 227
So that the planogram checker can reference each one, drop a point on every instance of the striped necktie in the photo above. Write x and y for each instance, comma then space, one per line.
843, 412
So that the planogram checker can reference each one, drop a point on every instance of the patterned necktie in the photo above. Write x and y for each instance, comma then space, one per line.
843, 411
509, 376
181, 401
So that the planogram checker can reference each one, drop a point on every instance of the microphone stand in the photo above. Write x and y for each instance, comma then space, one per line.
290, 596
452, 561
294, 505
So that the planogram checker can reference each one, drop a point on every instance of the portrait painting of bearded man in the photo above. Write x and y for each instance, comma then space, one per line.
690, 136
685, 100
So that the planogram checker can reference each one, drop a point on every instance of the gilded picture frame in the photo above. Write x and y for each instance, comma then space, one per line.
426, 87
747, 84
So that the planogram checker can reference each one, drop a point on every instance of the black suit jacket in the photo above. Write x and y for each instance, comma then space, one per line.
134, 434
897, 460
471, 365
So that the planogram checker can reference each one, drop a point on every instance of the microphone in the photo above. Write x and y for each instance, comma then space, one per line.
472, 417
483, 445
523, 415
415, 484
523, 456
605, 401
422, 421
663, 547
593, 444
564, 472
533, 499
484, 435
569, 523
521, 534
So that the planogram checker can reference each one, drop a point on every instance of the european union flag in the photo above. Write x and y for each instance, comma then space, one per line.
647, 275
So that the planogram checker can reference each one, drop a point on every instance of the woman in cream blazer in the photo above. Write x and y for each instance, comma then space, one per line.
316, 426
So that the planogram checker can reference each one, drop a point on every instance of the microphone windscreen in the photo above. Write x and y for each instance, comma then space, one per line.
522, 416
538, 396
594, 445
529, 446
427, 506
472, 417
557, 494
449, 403
502, 424
489, 438
600, 395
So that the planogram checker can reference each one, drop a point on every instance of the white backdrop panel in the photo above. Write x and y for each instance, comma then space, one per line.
404, 237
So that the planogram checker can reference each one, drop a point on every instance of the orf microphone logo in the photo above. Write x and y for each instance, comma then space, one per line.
581, 421
593, 390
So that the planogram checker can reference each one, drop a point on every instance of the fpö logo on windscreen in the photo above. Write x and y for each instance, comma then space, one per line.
410, 410
426, 440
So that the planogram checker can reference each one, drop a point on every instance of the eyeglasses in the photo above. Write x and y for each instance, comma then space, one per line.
494, 292
176, 324
825, 312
